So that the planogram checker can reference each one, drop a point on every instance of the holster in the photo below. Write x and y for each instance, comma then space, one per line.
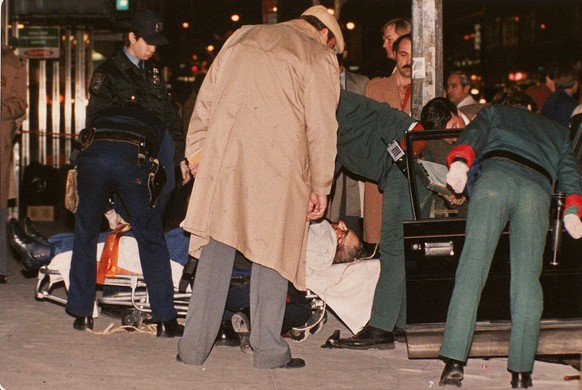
82, 142
156, 180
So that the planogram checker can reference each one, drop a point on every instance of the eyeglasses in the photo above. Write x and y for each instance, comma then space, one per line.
341, 235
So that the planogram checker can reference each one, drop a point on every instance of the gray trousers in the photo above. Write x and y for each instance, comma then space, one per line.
209, 292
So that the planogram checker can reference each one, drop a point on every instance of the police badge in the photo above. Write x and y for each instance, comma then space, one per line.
97, 81
156, 77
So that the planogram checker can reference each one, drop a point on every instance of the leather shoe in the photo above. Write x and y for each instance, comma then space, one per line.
452, 373
521, 380
82, 323
227, 336
3, 279
367, 338
170, 328
293, 363
399, 334
33, 254
33, 232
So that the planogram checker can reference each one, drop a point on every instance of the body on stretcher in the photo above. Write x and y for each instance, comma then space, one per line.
347, 288
126, 273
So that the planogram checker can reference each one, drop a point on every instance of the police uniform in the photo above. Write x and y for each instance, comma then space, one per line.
118, 159
128, 117
118, 82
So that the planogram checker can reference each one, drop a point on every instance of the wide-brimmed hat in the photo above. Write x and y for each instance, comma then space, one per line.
320, 12
149, 26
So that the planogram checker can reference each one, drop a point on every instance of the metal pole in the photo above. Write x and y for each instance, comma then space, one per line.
80, 63
68, 103
42, 112
427, 53
56, 116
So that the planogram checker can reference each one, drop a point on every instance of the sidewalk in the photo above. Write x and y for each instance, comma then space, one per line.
40, 350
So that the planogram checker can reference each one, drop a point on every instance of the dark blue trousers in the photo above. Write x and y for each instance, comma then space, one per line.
103, 168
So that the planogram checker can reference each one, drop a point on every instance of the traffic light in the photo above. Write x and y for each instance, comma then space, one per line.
122, 5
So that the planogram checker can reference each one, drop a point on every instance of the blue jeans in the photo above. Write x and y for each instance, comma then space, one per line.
103, 168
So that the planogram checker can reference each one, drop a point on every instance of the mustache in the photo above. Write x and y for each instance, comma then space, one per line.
407, 66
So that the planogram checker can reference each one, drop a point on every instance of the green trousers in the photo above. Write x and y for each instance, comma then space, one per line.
505, 192
389, 306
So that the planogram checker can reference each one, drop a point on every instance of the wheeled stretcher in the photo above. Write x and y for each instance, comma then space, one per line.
123, 270
124, 274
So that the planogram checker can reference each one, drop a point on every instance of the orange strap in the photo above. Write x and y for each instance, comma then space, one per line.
107, 266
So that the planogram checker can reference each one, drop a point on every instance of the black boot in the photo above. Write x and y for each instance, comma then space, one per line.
452, 373
33, 254
83, 323
170, 328
521, 380
33, 232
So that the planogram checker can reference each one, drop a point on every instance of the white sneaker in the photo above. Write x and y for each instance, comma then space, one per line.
242, 326
313, 325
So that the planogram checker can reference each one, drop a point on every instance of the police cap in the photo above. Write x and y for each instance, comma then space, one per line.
149, 26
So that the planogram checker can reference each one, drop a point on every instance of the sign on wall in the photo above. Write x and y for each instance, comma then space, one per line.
39, 42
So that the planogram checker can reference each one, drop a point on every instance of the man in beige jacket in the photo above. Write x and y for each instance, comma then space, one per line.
265, 119
14, 106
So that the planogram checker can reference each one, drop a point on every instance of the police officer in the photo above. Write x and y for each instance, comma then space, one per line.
128, 78
129, 119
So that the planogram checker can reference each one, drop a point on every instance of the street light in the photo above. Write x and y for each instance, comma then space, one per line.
350, 25
235, 18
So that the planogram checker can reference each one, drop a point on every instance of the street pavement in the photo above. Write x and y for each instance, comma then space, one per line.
40, 350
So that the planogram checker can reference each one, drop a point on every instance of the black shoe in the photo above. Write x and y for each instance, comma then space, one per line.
33, 254
452, 373
369, 337
293, 363
227, 336
33, 232
399, 335
3, 279
521, 380
82, 323
170, 328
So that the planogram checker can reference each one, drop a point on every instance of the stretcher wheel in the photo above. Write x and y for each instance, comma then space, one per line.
132, 317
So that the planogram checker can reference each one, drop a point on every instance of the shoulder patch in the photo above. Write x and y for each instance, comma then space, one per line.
97, 81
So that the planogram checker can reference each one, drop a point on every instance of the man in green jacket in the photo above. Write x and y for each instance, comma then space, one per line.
523, 155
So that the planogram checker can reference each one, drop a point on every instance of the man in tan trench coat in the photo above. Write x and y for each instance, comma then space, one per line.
14, 106
265, 118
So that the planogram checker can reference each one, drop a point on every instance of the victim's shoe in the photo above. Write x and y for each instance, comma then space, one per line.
33, 232
452, 373
367, 338
242, 326
33, 254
